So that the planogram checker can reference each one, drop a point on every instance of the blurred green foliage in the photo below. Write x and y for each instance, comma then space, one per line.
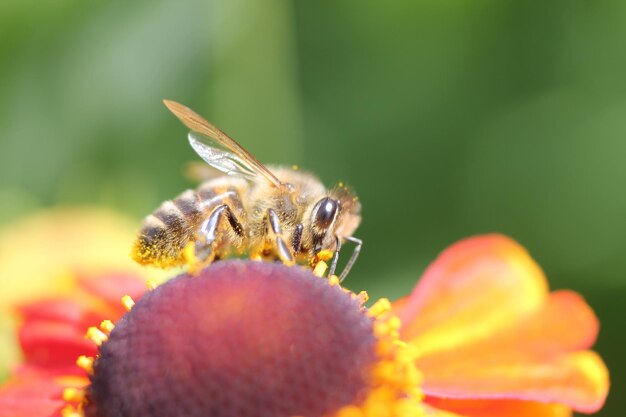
450, 118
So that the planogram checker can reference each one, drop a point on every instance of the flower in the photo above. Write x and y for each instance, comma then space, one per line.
42, 253
479, 336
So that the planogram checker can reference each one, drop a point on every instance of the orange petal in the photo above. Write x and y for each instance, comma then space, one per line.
30, 396
564, 323
474, 289
528, 360
577, 379
499, 408
437, 412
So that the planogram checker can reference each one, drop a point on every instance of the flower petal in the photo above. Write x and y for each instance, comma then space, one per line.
61, 241
111, 287
30, 396
499, 408
578, 379
529, 360
51, 344
564, 323
59, 310
475, 288
437, 412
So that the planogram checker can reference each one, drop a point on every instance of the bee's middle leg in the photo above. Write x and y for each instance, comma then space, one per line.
208, 233
281, 247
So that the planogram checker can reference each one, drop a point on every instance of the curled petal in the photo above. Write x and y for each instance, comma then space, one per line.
500, 408
577, 379
475, 288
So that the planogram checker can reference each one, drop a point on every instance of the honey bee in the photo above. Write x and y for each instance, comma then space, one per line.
277, 212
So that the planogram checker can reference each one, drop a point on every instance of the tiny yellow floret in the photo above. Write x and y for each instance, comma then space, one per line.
73, 395
96, 335
380, 307
128, 302
70, 411
320, 269
85, 363
333, 280
107, 326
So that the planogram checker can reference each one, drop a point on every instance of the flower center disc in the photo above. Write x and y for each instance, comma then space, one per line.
242, 339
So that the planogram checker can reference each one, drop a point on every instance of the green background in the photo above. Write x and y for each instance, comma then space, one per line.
450, 118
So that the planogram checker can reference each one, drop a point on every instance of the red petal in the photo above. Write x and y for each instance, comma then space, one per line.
60, 310
30, 396
499, 408
52, 344
475, 288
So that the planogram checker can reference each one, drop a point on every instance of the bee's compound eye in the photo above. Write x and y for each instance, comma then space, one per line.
325, 212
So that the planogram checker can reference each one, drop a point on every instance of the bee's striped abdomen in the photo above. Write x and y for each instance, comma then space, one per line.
167, 231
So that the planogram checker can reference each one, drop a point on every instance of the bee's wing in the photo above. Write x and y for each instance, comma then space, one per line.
233, 159
220, 159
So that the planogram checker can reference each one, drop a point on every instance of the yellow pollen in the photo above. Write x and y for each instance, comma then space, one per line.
128, 302
85, 363
151, 284
107, 326
295, 167
96, 335
189, 254
73, 395
325, 255
320, 268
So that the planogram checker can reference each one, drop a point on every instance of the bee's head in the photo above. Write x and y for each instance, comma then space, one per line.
334, 216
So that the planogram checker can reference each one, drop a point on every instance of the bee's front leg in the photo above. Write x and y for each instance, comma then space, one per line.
204, 247
276, 232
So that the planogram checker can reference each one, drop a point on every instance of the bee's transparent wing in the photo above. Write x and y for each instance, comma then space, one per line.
234, 160
222, 160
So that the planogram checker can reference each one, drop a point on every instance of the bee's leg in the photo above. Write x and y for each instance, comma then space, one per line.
333, 265
207, 235
282, 250
351, 261
296, 239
